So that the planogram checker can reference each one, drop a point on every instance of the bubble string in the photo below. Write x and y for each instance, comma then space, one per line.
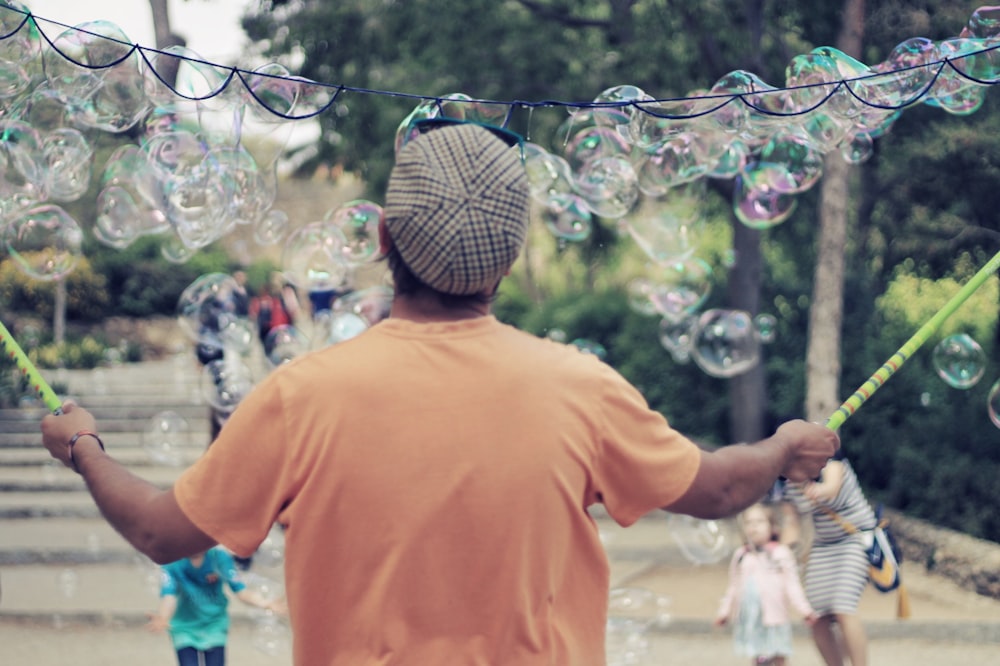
741, 96
192, 98
866, 390
13, 351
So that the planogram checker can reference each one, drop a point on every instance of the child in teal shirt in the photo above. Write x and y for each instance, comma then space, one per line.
194, 606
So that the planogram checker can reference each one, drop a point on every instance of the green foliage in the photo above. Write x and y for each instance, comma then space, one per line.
86, 292
86, 353
910, 301
142, 283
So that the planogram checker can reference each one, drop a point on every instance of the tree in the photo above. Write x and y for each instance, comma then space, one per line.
827, 306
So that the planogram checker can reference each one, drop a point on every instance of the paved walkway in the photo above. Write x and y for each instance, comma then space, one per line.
72, 592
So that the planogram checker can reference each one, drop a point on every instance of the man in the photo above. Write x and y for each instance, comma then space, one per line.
433, 473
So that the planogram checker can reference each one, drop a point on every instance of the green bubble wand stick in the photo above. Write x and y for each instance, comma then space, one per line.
895, 361
13, 351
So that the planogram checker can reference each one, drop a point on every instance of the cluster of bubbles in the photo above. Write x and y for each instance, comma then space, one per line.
207, 313
633, 613
186, 177
183, 172
645, 162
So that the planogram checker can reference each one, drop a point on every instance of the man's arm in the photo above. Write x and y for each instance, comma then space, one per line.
732, 478
146, 516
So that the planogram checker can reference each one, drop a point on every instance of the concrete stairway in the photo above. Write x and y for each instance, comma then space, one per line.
58, 557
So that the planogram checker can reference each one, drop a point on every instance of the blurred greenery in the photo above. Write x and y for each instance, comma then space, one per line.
922, 210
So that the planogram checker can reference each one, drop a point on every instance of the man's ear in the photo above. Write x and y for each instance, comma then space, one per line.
384, 239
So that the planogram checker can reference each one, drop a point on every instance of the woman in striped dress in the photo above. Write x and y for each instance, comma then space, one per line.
836, 572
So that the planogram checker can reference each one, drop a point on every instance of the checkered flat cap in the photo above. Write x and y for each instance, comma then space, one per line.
457, 208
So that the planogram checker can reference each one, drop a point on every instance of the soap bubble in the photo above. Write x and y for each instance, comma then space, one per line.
673, 230
632, 613
313, 258
765, 324
96, 46
358, 220
167, 438
959, 361
615, 107
761, 199
640, 291
677, 337
283, 343
567, 216
68, 582
700, 541
45, 242
271, 551
681, 287
271, 228
993, 403
206, 305
725, 343
556, 335
609, 186
344, 326
543, 169
271, 636
591, 347
68, 158
225, 382
372, 304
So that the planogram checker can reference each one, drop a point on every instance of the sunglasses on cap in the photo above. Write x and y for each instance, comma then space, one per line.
425, 125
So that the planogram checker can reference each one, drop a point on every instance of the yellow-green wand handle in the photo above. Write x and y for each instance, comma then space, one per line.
14, 352
882, 375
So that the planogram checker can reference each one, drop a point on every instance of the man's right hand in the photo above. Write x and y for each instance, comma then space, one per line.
810, 447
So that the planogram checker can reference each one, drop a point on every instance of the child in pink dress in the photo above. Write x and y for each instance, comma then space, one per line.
763, 586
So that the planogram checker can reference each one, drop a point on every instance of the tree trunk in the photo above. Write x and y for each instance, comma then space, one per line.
165, 38
748, 391
59, 313
827, 308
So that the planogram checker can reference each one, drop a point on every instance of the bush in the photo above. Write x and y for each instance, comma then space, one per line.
86, 292
82, 354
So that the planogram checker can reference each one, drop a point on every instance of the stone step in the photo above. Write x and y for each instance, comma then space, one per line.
120, 432
60, 479
102, 589
125, 447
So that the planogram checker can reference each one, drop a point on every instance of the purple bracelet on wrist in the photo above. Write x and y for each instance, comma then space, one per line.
72, 441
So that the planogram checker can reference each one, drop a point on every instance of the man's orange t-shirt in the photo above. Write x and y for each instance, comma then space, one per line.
434, 481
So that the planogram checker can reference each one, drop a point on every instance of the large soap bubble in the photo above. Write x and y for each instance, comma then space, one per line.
358, 220
567, 216
959, 361
44, 241
313, 258
700, 541
725, 343
632, 613
225, 382
68, 158
206, 306
681, 287
284, 343
81, 56
167, 439
993, 403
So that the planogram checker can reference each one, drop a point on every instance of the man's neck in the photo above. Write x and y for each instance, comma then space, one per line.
427, 307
